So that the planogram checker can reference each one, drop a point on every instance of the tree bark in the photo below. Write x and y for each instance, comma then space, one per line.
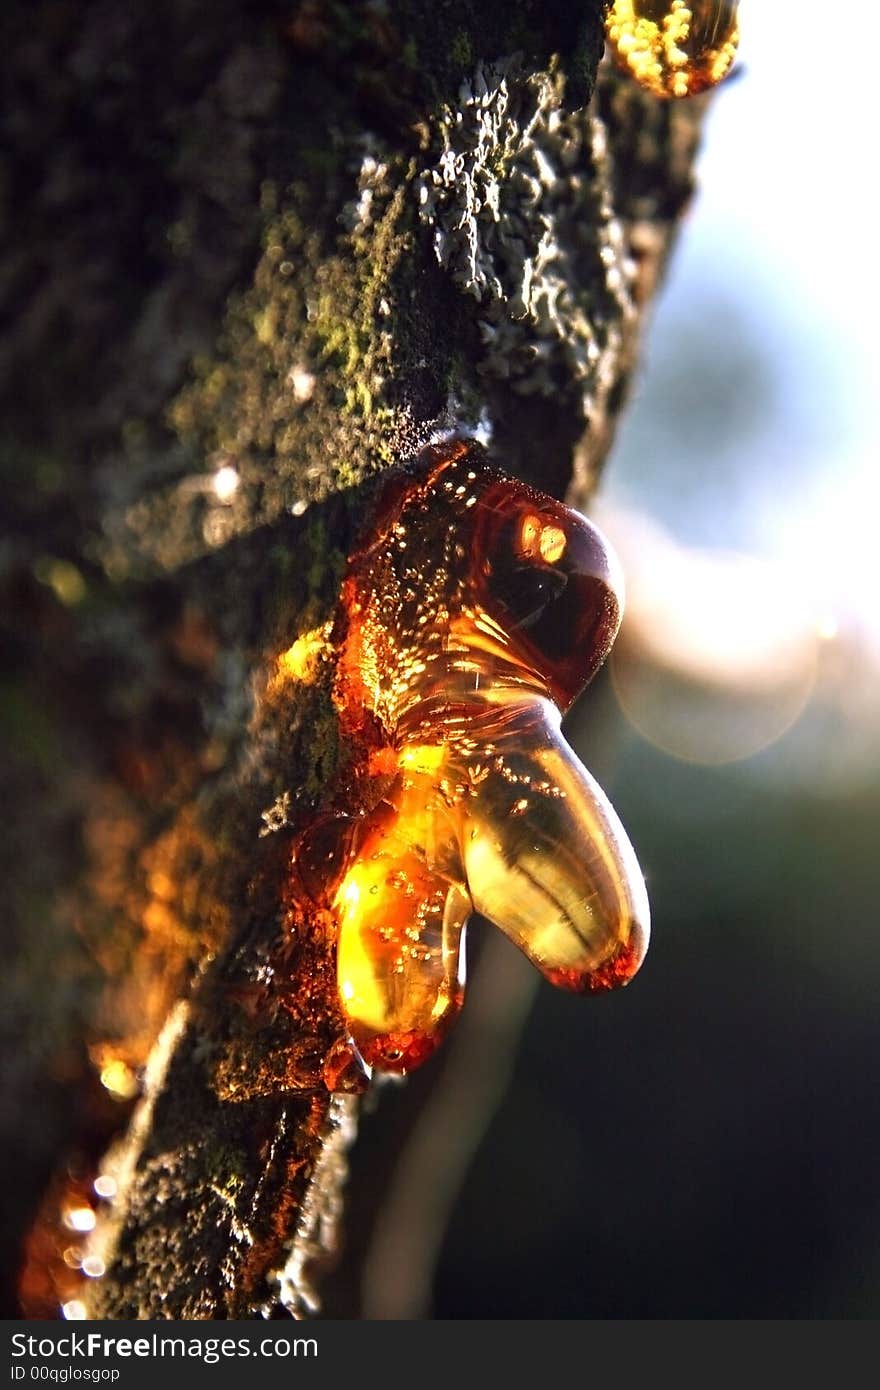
254, 256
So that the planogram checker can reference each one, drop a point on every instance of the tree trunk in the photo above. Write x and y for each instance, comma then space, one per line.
255, 255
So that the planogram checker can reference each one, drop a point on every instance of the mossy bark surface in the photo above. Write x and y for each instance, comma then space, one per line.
254, 255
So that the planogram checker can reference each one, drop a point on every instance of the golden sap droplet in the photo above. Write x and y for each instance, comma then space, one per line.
674, 48
400, 959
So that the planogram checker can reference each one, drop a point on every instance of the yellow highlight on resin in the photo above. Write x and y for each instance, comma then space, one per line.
538, 541
302, 661
119, 1079
400, 962
426, 757
552, 544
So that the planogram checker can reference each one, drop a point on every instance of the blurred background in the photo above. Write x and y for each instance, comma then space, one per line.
706, 1143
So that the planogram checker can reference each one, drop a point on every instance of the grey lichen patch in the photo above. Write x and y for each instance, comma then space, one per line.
518, 200
121, 1162
231, 1192
277, 816
317, 1229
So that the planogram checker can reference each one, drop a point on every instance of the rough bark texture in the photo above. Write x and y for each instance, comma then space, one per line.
252, 256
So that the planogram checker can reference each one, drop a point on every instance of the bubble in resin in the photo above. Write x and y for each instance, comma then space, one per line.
674, 48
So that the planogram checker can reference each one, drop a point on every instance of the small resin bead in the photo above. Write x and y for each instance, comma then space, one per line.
674, 48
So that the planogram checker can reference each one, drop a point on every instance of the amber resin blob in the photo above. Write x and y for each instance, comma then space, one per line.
477, 610
675, 48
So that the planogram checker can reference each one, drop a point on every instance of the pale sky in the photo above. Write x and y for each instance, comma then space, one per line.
773, 300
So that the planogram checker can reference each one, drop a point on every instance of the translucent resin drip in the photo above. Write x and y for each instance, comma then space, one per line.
477, 610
